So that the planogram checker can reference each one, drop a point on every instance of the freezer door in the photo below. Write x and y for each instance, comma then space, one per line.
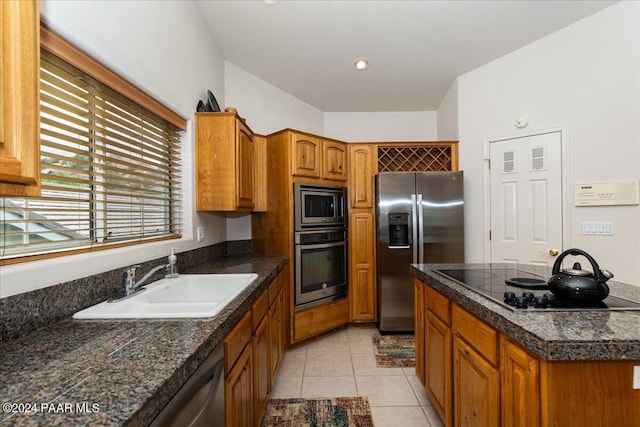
442, 237
396, 234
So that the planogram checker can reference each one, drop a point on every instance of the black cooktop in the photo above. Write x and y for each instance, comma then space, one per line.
520, 290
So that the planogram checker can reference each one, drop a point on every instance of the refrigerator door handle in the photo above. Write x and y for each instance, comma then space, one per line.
420, 241
414, 228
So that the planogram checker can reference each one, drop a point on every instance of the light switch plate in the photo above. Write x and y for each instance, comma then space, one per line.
598, 228
200, 234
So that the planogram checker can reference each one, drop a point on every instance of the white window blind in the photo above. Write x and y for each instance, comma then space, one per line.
110, 170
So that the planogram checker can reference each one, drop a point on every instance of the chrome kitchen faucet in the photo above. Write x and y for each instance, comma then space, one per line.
131, 287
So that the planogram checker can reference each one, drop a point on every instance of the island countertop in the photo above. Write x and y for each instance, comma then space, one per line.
117, 372
555, 335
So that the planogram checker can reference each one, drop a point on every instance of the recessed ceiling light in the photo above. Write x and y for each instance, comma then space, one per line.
361, 63
270, 1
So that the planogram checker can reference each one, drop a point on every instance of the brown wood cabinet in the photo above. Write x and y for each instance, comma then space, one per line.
362, 241
438, 366
476, 379
361, 175
238, 360
261, 368
261, 355
294, 156
495, 381
261, 183
520, 385
589, 393
253, 350
316, 320
224, 159
476, 388
420, 310
278, 337
314, 157
362, 266
305, 158
19, 98
334, 156
239, 391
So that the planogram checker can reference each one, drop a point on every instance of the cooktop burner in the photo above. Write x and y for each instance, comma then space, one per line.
520, 290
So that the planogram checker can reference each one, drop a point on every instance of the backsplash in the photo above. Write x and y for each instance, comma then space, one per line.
26, 312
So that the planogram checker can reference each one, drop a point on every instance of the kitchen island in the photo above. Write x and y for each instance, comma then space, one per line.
124, 372
486, 364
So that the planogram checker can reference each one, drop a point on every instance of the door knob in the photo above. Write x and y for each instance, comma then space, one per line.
553, 252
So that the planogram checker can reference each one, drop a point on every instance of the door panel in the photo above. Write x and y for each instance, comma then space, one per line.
526, 198
442, 216
395, 282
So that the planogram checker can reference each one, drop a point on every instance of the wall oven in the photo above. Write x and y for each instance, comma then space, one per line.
320, 266
318, 206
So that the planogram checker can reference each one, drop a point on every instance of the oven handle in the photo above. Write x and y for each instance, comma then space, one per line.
322, 245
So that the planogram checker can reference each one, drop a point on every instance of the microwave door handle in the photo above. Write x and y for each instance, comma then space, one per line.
414, 228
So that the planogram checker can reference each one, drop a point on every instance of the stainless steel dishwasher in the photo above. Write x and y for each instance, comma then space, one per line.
200, 402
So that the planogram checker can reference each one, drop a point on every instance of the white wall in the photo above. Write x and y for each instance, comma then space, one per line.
448, 115
166, 49
381, 126
585, 77
267, 110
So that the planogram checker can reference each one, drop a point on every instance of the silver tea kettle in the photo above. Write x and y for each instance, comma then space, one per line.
578, 284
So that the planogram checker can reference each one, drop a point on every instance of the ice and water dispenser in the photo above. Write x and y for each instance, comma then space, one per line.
399, 230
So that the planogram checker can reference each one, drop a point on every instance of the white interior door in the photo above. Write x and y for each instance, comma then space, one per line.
526, 199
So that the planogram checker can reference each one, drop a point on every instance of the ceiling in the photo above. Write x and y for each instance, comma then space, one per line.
416, 48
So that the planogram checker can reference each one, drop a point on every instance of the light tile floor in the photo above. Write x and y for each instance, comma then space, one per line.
343, 364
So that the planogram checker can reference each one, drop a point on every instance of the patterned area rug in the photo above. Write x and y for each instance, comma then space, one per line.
394, 350
325, 412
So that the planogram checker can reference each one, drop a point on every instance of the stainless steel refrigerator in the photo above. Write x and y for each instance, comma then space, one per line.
420, 219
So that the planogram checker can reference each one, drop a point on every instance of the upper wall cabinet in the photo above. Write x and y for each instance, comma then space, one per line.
361, 175
225, 167
19, 98
313, 157
306, 151
334, 155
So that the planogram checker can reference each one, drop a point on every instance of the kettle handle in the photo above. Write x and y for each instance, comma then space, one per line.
600, 278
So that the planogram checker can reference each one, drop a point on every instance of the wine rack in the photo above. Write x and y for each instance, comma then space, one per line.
429, 158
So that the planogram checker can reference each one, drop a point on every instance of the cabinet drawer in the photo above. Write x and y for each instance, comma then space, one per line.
475, 332
236, 341
439, 305
259, 309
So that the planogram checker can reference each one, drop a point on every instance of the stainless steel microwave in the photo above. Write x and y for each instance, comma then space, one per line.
317, 206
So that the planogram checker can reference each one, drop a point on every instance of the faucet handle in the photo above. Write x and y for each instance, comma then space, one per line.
129, 276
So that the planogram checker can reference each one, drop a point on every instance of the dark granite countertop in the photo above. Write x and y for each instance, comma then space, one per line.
112, 373
557, 335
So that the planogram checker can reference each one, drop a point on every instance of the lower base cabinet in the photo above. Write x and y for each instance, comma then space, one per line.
520, 385
313, 321
438, 366
253, 350
239, 391
496, 382
476, 388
